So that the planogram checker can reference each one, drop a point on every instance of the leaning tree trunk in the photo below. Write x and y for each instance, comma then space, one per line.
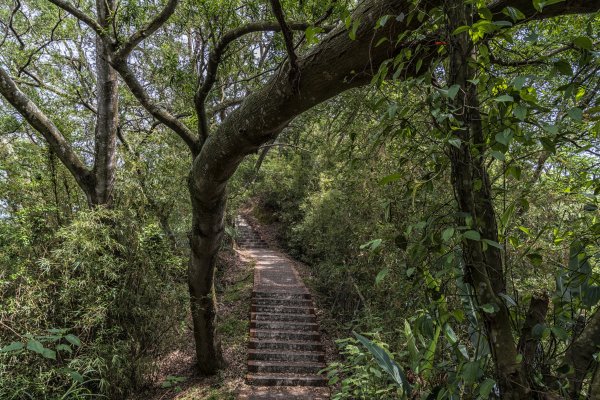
483, 267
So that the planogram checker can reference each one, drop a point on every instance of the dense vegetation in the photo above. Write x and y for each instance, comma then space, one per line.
436, 164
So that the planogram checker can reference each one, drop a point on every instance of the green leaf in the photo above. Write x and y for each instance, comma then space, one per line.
381, 275
452, 91
447, 234
35, 346
461, 29
560, 333
76, 376
486, 388
311, 34
418, 65
455, 142
485, 13
563, 67
48, 353
512, 12
498, 155
14, 346
472, 235
492, 243
386, 363
538, 330
390, 178
583, 42
519, 82
74, 340
535, 258
505, 98
488, 308
520, 112
576, 114
540, 4
551, 129
372, 244
64, 347
471, 371
504, 137
509, 300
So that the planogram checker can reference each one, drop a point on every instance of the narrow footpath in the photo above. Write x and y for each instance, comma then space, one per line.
285, 352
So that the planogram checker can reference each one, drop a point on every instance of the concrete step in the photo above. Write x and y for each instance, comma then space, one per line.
283, 317
284, 393
282, 367
263, 344
282, 302
279, 355
284, 325
282, 309
284, 334
280, 295
285, 380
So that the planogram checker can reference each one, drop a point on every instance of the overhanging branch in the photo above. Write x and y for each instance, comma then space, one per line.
205, 85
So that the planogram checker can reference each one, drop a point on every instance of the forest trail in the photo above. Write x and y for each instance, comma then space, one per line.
285, 351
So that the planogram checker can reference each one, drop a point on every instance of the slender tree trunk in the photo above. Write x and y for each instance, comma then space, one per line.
107, 117
473, 192
579, 356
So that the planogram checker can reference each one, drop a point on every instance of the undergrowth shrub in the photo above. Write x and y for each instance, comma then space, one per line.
109, 281
358, 376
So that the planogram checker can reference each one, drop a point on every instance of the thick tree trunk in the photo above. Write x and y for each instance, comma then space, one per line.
483, 267
205, 238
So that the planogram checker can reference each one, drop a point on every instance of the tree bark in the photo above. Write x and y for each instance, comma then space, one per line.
528, 344
107, 117
579, 356
483, 266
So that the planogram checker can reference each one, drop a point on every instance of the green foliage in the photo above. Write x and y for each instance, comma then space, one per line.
115, 284
360, 376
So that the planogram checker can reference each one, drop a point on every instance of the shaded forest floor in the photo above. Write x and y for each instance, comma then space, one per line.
176, 377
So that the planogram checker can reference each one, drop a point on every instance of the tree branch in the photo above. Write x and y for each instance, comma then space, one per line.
562, 8
215, 58
155, 110
83, 17
41, 123
126, 48
289, 41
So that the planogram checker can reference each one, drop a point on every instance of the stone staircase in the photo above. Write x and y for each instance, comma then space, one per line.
285, 348
247, 237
